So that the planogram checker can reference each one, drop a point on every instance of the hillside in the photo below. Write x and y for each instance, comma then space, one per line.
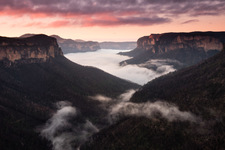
186, 48
199, 90
29, 89
201, 86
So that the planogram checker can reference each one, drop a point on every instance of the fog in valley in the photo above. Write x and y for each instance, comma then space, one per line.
66, 132
108, 60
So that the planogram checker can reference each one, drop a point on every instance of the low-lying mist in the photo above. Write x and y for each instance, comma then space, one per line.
122, 107
108, 60
66, 130
150, 110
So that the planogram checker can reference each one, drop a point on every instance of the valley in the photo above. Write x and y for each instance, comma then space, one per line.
199, 95
50, 102
112, 75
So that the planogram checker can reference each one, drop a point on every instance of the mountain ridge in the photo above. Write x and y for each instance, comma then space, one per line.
192, 79
187, 48
29, 91
198, 89
73, 46
70, 45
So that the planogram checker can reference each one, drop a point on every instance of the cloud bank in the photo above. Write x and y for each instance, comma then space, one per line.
110, 13
108, 60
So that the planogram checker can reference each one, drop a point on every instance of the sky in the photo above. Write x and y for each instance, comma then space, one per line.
109, 20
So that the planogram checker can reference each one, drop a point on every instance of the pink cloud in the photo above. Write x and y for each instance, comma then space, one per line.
58, 24
39, 15
34, 24
13, 13
109, 13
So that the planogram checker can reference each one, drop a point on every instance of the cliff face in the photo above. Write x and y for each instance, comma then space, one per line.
38, 48
161, 43
187, 48
72, 46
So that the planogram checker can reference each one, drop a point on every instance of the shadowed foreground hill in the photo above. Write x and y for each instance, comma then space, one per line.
33, 76
198, 89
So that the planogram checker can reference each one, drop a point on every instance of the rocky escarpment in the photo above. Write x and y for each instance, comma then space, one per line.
162, 43
187, 48
38, 48
73, 46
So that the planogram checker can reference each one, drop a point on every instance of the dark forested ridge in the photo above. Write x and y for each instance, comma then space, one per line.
142, 133
199, 89
28, 92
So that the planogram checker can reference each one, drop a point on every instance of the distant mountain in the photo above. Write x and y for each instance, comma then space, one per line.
34, 75
78, 40
186, 48
72, 46
118, 45
27, 35
199, 89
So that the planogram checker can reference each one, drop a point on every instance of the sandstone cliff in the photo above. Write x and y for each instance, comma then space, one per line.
187, 48
38, 48
161, 43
